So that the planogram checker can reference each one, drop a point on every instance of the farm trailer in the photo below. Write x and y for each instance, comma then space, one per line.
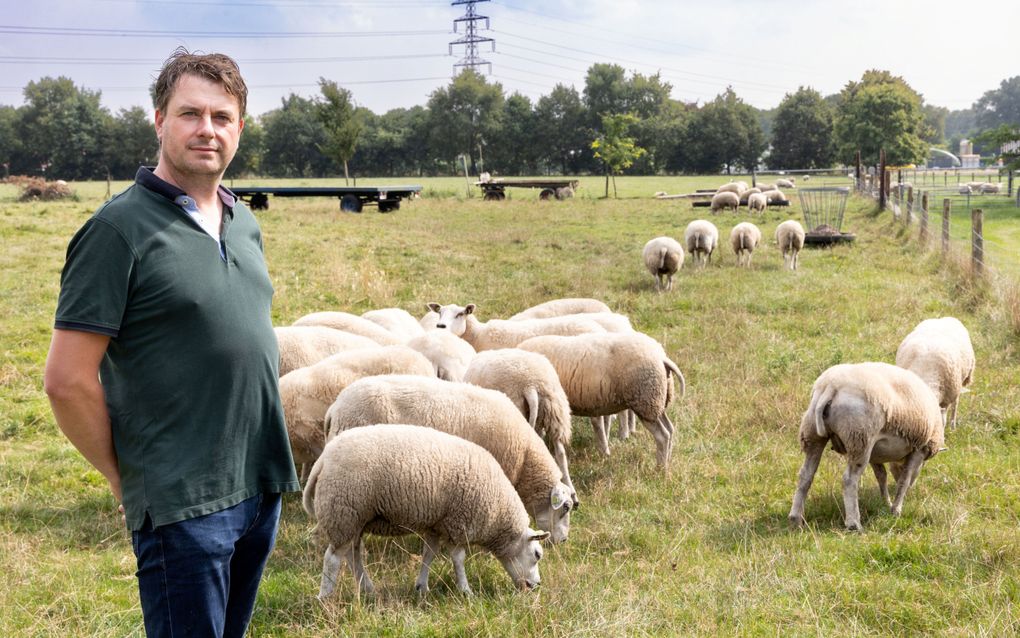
352, 199
495, 191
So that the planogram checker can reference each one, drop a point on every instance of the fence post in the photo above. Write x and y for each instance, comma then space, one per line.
924, 218
910, 206
977, 241
883, 180
946, 207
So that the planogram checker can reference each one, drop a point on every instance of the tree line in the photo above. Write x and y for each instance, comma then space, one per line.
618, 123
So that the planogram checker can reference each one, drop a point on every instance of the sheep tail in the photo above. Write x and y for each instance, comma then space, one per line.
308, 498
675, 369
743, 238
531, 398
821, 408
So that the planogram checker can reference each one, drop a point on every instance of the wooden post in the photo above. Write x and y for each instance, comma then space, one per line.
910, 206
859, 171
883, 183
947, 205
977, 241
924, 218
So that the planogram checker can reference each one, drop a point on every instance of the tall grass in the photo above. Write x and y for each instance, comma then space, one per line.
703, 550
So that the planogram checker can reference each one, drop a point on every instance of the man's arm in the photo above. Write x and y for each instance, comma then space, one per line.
76, 396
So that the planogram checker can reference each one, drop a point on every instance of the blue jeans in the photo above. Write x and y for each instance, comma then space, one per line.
199, 577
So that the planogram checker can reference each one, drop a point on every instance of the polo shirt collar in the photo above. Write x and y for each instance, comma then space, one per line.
147, 178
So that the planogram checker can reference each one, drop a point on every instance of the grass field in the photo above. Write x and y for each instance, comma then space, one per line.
705, 550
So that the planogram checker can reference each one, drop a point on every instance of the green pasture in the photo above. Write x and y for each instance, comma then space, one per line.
704, 550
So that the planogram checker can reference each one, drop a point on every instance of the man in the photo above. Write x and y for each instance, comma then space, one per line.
163, 366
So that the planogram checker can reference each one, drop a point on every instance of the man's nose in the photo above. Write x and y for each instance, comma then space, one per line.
205, 126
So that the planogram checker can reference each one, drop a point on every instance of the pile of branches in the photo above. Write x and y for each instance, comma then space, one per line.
37, 188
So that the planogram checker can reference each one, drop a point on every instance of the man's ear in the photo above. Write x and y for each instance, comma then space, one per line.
158, 124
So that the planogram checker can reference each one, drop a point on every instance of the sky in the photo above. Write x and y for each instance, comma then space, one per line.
395, 53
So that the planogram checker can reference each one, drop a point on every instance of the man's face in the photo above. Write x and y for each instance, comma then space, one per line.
200, 128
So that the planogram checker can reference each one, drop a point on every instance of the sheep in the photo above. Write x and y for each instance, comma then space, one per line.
806, 178
308, 392
724, 200
965, 189
940, 352
449, 354
393, 480
396, 320
989, 187
765, 188
744, 238
660, 194
560, 307
775, 196
746, 195
663, 256
758, 202
786, 183
701, 237
350, 323
504, 333
302, 346
790, 237
530, 381
486, 417
604, 374
872, 413
564, 192
429, 320
733, 187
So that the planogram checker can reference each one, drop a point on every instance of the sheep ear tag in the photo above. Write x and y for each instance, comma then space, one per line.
559, 497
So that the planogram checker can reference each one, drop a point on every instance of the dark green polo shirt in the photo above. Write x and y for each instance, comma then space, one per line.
190, 375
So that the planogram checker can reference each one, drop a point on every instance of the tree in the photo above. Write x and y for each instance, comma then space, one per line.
293, 136
614, 148
513, 150
802, 131
560, 125
725, 133
61, 128
662, 135
605, 92
463, 114
10, 143
880, 111
336, 111
248, 158
130, 141
997, 137
1000, 106
934, 129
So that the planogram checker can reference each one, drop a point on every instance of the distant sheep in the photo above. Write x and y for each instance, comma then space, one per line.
663, 256
940, 352
560, 307
790, 238
724, 200
702, 238
990, 188
503, 333
733, 187
758, 202
745, 196
744, 238
775, 196
786, 183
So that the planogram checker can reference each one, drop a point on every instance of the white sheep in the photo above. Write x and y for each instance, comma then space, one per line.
744, 238
394, 480
767, 188
429, 320
775, 196
308, 392
603, 374
486, 417
965, 189
758, 202
806, 178
663, 256
873, 413
530, 381
724, 200
560, 307
733, 187
302, 346
790, 238
989, 187
350, 323
746, 195
785, 183
396, 320
701, 237
505, 333
450, 355
940, 352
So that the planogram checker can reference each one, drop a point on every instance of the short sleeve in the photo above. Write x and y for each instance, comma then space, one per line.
96, 281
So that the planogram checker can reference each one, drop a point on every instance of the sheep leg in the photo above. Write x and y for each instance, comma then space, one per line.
623, 419
428, 554
882, 477
812, 456
306, 469
909, 474
354, 559
855, 464
331, 563
600, 425
458, 554
663, 440
952, 408
560, 454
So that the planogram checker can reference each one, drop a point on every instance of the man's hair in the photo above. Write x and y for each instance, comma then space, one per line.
214, 67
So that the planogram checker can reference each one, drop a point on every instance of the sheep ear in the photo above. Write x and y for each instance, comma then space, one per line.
537, 535
470, 308
559, 496
433, 306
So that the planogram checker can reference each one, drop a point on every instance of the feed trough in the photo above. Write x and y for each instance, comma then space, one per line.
823, 215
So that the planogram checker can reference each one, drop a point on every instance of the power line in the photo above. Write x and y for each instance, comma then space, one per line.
150, 33
16, 59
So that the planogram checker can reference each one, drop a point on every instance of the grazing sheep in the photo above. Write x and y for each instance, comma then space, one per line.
746, 195
530, 381
603, 374
564, 192
610, 321
790, 237
505, 333
486, 417
744, 238
396, 320
560, 307
765, 188
975, 187
449, 354
308, 392
663, 256
965, 189
775, 196
350, 323
660, 194
302, 346
758, 202
785, 183
733, 187
724, 200
873, 413
988, 187
940, 352
806, 178
393, 480
701, 237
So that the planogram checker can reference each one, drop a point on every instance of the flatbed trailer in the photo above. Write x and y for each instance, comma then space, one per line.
352, 198
495, 190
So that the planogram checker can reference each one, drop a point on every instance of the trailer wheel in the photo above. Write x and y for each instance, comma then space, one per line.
260, 201
350, 203
494, 196
547, 194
